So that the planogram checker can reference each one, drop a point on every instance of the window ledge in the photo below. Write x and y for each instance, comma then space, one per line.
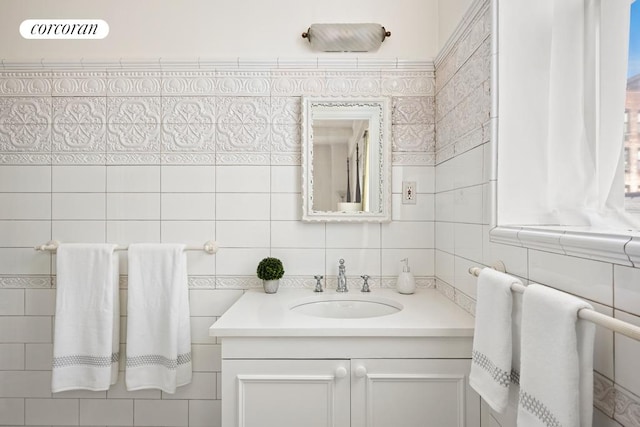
601, 245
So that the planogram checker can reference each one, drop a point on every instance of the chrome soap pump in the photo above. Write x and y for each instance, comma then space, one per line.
406, 283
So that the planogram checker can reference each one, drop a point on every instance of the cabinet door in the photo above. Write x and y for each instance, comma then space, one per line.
285, 393
412, 393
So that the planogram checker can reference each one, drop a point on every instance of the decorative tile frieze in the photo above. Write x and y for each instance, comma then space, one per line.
25, 110
286, 159
353, 84
239, 137
133, 83
627, 408
24, 158
412, 159
79, 84
202, 282
243, 110
603, 394
133, 158
26, 282
243, 83
76, 110
413, 110
415, 138
133, 110
408, 83
297, 83
18, 137
188, 137
465, 302
192, 109
140, 137
286, 110
25, 84
196, 83
188, 158
79, 158
237, 282
445, 289
79, 137
242, 158
285, 138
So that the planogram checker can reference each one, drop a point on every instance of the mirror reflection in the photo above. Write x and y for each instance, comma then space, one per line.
346, 160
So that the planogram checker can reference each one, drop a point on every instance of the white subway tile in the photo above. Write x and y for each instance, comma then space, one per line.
239, 261
166, 413
119, 389
353, 236
25, 179
468, 204
12, 357
300, 262
112, 412
28, 329
133, 206
25, 384
445, 266
588, 279
626, 288
188, 206
81, 179
423, 210
78, 206
286, 179
23, 261
79, 231
51, 411
444, 208
40, 302
243, 179
468, 241
297, 234
462, 279
468, 168
12, 302
400, 235
38, 357
246, 206
444, 175
206, 357
80, 394
200, 330
243, 234
25, 206
212, 302
188, 232
11, 412
627, 354
444, 236
421, 261
603, 360
133, 179
286, 207
24, 233
125, 232
201, 263
423, 176
357, 262
205, 413
188, 179
202, 386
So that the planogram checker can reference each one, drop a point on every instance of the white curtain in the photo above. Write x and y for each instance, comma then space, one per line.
562, 81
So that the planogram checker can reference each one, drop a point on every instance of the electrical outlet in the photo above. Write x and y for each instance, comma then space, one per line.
409, 193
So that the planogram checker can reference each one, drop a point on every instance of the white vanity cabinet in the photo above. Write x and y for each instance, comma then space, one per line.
343, 393
281, 368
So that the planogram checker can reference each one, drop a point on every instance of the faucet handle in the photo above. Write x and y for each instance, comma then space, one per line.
365, 285
318, 283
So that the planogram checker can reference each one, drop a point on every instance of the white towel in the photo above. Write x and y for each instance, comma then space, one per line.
556, 376
491, 363
86, 336
158, 324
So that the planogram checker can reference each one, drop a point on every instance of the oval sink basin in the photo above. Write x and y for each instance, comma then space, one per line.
347, 308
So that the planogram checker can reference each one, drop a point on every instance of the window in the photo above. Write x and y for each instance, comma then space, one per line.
632, 104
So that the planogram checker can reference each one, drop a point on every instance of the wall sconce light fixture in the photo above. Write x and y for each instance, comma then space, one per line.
346, 37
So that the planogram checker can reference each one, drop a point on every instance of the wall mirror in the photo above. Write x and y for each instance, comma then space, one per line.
346, 159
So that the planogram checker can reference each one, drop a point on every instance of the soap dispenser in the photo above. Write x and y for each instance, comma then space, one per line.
406, 282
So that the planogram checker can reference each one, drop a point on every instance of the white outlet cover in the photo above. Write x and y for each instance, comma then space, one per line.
409, 193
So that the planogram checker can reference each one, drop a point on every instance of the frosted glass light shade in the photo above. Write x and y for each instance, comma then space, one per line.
346, 37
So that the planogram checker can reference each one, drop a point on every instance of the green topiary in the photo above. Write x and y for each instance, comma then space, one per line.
270, 269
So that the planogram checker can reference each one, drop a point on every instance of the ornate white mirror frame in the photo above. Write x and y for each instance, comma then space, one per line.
346, 159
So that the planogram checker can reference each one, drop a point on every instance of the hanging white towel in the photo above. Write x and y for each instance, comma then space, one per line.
491, 363
86, 335
556, 376
158, 326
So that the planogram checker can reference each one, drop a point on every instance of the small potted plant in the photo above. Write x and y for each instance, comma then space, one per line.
270, 270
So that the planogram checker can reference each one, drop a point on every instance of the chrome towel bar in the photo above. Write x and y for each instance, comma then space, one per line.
210, 247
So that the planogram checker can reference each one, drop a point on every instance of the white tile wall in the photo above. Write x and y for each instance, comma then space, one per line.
462, 212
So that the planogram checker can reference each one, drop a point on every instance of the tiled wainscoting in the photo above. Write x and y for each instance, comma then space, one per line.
463, 212
174, 156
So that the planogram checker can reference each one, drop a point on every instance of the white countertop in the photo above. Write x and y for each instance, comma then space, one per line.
427, 313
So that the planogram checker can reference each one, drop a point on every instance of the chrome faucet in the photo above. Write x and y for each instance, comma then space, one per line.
342, 278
